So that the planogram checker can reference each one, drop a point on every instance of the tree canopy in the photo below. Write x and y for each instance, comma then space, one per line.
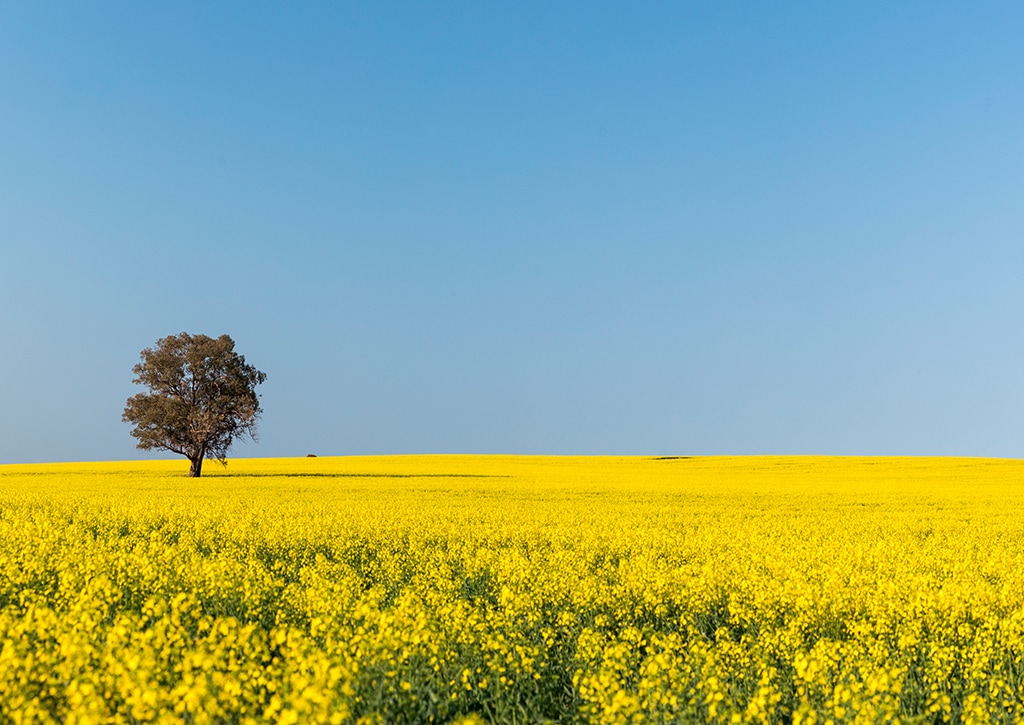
201, 397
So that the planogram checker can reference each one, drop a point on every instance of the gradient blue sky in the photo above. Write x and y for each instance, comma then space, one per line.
669, 228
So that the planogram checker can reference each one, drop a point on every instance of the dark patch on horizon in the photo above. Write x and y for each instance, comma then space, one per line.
354, 475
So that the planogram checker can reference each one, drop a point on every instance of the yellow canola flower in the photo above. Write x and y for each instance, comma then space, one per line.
514, 589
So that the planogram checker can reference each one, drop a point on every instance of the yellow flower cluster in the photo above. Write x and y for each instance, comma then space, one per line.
416, 589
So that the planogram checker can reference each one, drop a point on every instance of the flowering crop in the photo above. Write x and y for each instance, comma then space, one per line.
415, 589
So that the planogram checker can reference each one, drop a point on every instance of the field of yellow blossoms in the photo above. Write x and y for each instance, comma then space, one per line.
416, 589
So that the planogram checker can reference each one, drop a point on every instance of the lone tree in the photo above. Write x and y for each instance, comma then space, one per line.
202, 395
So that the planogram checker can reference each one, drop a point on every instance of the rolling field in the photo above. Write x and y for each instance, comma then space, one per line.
503, 589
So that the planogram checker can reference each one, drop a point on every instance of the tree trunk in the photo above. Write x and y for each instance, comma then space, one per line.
196, 469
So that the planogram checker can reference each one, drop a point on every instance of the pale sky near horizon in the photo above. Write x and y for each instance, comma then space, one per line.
551, 228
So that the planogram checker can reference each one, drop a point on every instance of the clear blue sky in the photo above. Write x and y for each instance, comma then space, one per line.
675, 228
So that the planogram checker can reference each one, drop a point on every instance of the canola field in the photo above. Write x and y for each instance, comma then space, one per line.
419, 589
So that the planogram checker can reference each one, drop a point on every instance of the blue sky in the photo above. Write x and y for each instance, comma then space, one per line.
579, 228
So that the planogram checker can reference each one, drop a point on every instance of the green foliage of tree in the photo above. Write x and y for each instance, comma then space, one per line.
202, 396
